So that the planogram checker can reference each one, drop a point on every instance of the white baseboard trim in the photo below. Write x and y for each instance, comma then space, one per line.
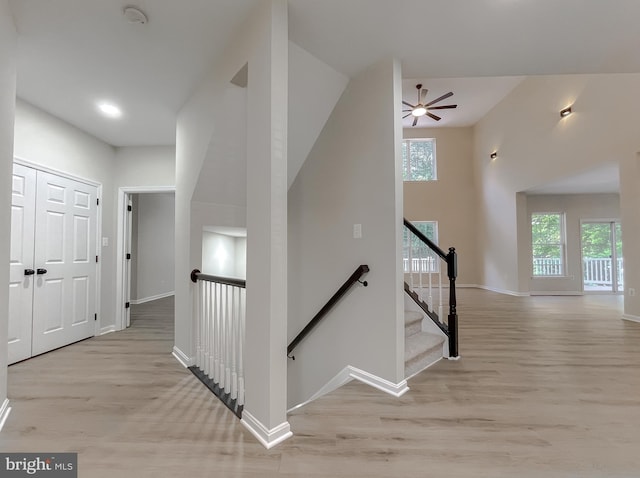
556, 292
107, 330
181, 357
350, 373
504, 291
395, 389
155, 297
268, 438
631, 318
5, 409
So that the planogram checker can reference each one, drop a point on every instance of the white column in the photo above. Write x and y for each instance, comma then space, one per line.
265, 413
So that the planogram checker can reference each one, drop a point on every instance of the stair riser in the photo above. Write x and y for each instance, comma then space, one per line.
412, 328
422, 361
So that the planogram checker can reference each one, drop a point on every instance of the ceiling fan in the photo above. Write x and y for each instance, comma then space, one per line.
422, 109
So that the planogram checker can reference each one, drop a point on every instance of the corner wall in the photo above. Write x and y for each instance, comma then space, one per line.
7, 111
351, 176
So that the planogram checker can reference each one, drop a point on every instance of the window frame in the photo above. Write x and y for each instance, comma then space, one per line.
406, 143
405, 255
562, 245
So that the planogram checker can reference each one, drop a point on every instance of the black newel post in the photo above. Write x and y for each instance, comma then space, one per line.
452, 272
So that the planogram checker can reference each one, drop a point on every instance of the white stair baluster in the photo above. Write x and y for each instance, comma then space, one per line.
241, 346
234, 343
216, 334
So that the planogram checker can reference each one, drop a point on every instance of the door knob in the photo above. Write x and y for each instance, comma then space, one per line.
42, 271
29, 272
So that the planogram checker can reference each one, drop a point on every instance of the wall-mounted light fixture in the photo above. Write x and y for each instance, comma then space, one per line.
494, 155
565, 112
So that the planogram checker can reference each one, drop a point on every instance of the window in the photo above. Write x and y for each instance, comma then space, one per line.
420, 253
419, 160
548, 244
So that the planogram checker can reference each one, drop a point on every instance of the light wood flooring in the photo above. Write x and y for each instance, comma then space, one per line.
546, 387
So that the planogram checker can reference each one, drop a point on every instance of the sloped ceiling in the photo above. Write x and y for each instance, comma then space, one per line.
74, 52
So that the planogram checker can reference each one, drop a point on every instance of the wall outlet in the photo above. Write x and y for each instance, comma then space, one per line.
632, 291
357, 231
105, 241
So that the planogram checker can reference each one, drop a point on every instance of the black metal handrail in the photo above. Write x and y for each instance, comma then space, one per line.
451, 260
432, 245
196, 275
355, 277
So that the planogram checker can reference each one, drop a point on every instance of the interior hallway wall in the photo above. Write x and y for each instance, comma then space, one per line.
352, 176
8, 38
49, 141
155, 245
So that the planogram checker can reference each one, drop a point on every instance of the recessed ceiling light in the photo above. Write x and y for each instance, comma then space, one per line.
110, 110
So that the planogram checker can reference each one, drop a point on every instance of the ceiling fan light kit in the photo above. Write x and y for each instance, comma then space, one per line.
422, 109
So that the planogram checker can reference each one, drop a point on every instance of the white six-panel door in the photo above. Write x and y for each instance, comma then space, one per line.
63, 255
21, 278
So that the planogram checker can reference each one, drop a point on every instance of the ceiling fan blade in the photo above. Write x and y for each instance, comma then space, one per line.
408, 104
423, 95
415, 121
446, 95
431, 115
408, 114
444, 107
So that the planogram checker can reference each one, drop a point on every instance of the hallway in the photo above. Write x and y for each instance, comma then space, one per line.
547, 386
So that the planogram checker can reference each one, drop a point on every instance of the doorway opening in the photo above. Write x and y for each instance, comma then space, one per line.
602, 261
145, 248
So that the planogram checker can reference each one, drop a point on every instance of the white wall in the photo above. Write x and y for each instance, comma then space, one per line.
155, 270
629, 212
313, 87
535, 146
352, 176
46, 140
451, 199
145, 166
577, 208
224, 255
7, 112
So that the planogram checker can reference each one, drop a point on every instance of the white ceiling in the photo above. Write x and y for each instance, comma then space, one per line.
474, 97
73, 53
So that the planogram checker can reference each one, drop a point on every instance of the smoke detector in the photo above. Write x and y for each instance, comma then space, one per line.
135, 15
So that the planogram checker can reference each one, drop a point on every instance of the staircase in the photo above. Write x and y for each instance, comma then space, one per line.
421, 349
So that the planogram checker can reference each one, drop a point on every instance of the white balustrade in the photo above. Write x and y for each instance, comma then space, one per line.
422, 270
220, 324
